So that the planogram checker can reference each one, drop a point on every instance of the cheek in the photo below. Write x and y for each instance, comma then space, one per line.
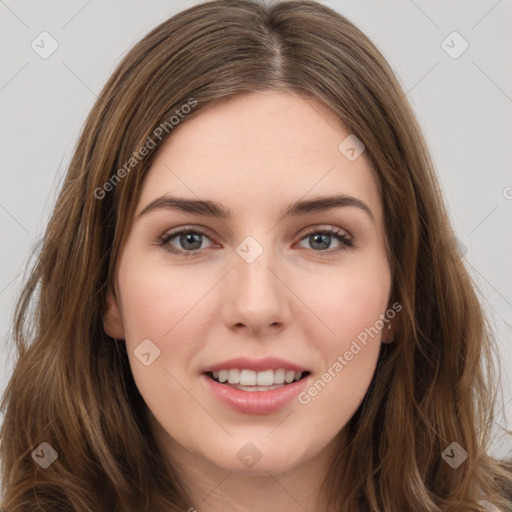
163, 305
158, 300
334, 396
351, 303
336, 390
348, 299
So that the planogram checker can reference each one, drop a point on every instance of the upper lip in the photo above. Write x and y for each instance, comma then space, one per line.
258, 365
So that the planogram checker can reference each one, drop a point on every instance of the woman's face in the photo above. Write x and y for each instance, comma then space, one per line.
262, 293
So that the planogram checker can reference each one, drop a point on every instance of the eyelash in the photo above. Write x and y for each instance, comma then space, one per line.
346, 242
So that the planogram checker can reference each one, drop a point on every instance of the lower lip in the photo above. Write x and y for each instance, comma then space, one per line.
255, 402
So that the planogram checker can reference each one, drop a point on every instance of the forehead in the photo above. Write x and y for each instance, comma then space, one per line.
257, 149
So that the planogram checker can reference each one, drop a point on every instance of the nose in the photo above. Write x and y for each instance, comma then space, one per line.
255, 296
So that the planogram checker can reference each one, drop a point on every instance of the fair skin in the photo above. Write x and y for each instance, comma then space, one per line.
300, 300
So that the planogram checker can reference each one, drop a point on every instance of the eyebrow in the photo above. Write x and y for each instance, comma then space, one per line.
214, 209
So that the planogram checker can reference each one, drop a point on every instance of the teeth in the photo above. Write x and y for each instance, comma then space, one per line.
289, 376
248, 378
279, 376
234, 376
265, 380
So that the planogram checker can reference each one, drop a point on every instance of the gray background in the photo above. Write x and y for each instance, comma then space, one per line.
463, 104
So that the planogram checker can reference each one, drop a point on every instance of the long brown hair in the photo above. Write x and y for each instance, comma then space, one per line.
72, 386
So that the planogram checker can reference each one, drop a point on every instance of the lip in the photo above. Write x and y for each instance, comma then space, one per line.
258, 365
255, 402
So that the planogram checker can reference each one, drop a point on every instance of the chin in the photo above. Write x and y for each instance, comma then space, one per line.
257, 455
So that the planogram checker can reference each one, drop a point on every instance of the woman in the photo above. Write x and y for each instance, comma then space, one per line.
319, 346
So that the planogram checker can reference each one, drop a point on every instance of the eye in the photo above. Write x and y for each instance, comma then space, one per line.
189, 239
320, 239
188, 242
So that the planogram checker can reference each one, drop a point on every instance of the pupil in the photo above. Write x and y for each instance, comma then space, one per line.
191, 237
325, 245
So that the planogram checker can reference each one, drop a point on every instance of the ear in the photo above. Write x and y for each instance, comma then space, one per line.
112, 321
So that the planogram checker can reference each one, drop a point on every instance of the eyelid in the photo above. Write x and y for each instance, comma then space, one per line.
326, 227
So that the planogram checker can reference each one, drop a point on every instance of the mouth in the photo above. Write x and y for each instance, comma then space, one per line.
255, 386
245, 379
255, 391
